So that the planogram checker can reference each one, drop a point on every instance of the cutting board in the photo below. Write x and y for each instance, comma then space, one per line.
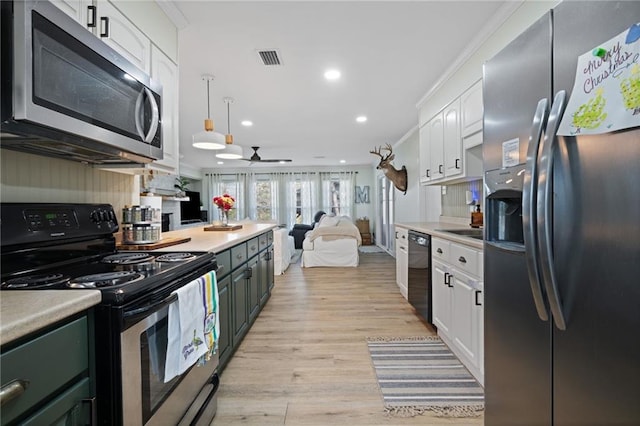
165, 242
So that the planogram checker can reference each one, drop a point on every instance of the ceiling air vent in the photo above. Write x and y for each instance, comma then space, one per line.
269, 57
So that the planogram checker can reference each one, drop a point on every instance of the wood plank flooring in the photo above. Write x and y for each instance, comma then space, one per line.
305, 360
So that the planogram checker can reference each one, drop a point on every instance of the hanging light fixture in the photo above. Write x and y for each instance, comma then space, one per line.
208, 139
231, 151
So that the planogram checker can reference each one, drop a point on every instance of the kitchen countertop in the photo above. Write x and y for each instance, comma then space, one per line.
434, 229
214, 241
25, 311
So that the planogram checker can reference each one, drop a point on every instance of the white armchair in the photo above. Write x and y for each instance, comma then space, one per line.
283, 249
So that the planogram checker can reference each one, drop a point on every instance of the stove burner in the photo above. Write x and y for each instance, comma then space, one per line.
127, 258
36, 281
175, 257
105, 280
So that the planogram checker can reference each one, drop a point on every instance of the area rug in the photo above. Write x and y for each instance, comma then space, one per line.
419, 374
370, 249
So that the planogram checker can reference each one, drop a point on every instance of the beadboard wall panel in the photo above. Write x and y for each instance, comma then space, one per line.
454, 202
31, 178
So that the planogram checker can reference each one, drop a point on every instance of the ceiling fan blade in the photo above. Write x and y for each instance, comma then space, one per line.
255, 158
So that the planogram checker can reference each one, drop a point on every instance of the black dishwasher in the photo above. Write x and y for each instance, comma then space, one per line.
419, 284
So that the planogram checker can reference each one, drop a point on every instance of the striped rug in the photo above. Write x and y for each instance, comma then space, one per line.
419, 374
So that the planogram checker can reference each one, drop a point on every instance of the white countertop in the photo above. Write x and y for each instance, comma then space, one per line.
25, 311
435, 229
214, 241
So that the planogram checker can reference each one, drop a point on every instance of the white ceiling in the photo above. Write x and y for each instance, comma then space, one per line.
390, 53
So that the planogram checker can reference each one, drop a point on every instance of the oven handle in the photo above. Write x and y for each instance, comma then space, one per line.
144, 311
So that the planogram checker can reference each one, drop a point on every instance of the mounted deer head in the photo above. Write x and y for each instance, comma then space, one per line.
398, 177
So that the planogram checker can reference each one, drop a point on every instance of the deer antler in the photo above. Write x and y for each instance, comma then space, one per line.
376, 151
388, 148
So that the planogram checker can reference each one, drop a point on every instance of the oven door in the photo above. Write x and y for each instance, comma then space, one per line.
186, 399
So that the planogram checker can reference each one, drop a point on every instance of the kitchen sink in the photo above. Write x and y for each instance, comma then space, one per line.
471, 233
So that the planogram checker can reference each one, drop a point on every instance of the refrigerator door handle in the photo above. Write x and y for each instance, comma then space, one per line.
545, 213
529, 189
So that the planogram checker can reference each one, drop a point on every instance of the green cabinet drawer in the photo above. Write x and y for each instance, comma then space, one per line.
265, 240
238, 255
224, 264
253, 247
71, 408
48, 362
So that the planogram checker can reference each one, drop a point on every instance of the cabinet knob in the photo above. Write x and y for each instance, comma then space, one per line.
439, 251
428, 171
461, 259
457, 163
440, 168
12, 390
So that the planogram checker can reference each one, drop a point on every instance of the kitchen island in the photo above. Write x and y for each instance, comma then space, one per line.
214, 241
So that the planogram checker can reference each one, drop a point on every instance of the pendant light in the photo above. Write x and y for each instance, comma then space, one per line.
208, 139
231, 151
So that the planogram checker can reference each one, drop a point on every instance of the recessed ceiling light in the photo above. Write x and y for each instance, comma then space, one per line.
220, 162
246, 123
343, 161
361, 119
332, 74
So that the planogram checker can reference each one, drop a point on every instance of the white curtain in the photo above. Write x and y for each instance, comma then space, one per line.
233, 184
283, 196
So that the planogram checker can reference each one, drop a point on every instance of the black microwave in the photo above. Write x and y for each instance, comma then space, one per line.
66, 94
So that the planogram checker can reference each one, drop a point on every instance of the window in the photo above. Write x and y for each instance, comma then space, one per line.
264, 191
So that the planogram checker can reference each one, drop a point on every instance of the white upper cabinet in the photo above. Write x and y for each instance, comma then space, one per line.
166, 72
424, 153
123, 36
452, 142
472, 110
77, 9
436, 149
102, 19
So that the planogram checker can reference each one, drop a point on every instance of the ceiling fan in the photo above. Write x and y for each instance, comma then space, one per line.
255, 158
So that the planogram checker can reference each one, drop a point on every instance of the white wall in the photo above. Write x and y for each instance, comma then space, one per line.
407, 206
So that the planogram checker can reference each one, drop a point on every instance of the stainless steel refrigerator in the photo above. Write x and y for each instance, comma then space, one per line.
562, 237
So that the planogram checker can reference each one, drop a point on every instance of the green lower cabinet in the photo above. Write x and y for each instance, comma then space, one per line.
239, 305
224, 303
47, 380
254, 288
244, 286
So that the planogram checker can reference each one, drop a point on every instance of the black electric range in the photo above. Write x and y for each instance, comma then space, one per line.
72, 246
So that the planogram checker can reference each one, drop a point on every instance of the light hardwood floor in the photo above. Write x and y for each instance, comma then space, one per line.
305, 360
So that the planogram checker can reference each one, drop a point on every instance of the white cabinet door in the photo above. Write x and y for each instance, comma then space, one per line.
478, 322
441, 293
471, 110
402, 260
77, 9
118, 32
463, 316
452, 141
166, 72
424, 153
436, 149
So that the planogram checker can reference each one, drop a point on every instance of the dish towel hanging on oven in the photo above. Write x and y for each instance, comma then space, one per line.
211, 318
188, 320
